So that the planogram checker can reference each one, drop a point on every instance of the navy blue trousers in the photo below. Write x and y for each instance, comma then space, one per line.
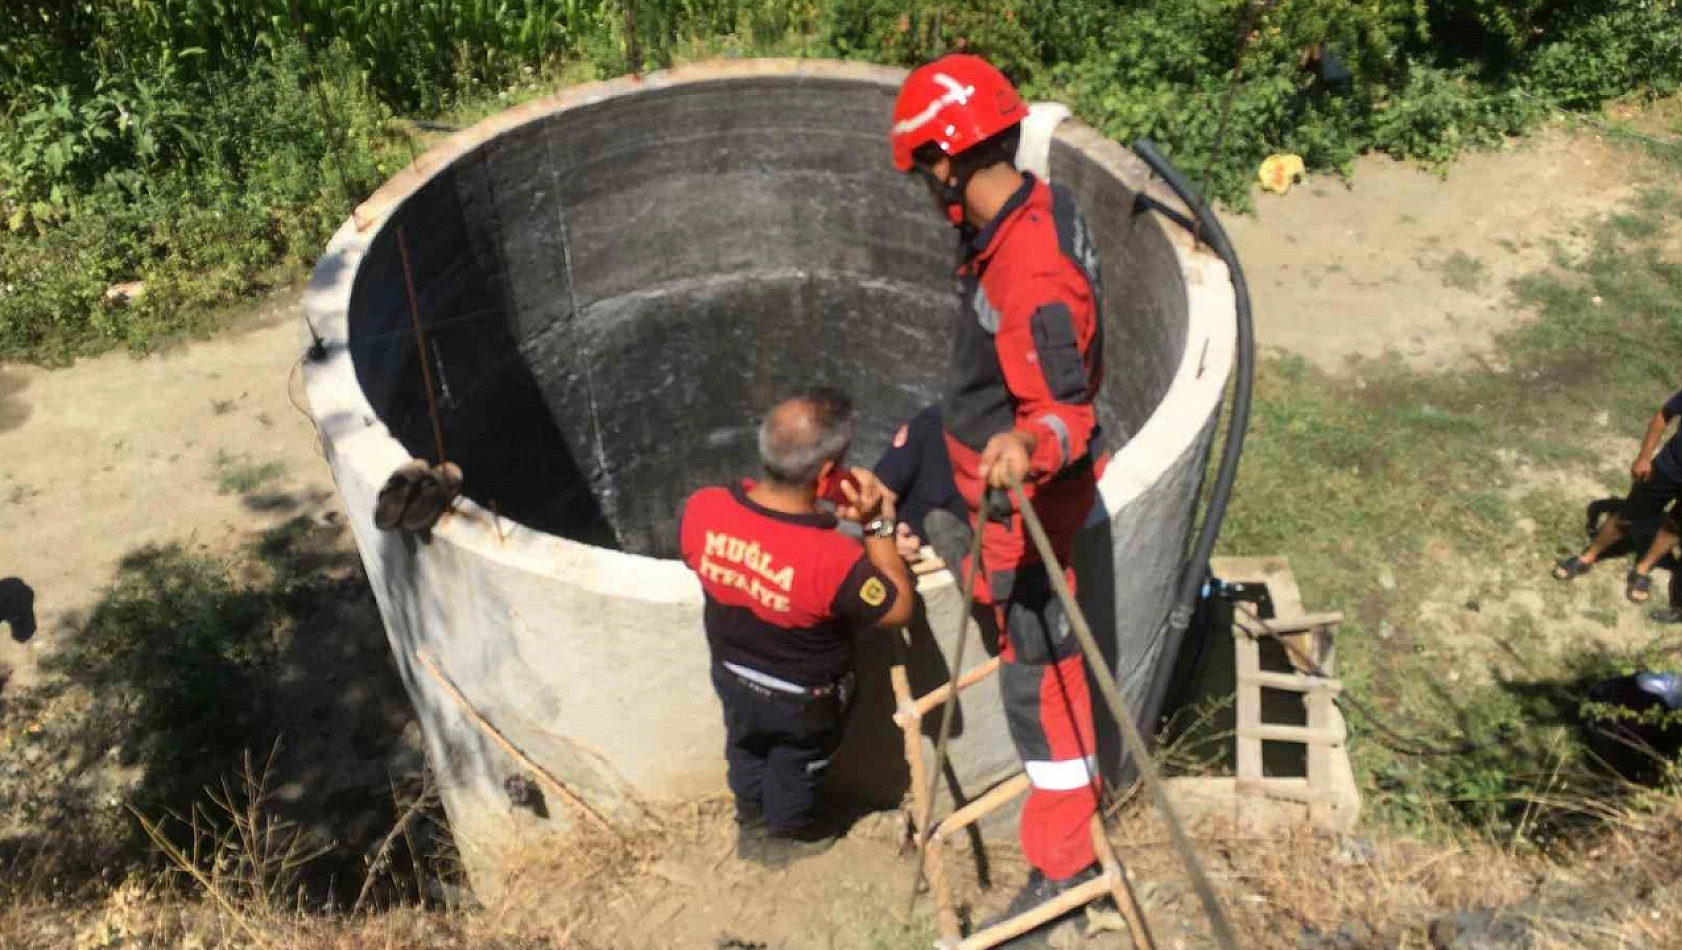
777, 748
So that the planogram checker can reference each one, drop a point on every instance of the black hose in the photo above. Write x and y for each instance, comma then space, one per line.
1207, 229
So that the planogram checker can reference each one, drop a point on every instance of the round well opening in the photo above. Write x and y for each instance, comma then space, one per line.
615, 290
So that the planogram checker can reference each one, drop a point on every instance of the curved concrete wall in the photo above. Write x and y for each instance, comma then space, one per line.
616, 282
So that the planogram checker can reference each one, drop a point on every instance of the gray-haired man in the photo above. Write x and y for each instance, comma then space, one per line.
784, 592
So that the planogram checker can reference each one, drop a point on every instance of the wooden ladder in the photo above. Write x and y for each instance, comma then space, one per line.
1329, 788
1111, 881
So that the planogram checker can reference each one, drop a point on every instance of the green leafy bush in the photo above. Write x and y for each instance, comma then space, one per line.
906, 33
200, 196
1634, 43
180, 141
1437, 113
414, 51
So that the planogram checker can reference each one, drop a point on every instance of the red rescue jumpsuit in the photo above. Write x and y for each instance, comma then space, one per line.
1028, 356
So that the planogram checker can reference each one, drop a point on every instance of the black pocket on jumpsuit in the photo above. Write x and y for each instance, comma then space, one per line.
1035, 621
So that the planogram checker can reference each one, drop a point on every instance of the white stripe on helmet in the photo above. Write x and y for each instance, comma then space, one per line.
956, 92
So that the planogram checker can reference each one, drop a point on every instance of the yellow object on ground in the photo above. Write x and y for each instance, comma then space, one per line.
1279, 172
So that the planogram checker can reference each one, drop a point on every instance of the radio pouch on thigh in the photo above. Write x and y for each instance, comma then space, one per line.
1035, 621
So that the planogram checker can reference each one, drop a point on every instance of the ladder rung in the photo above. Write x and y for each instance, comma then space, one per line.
936, 696
1287, 625
1302, 734
1295, 682
969, 814
1071, 899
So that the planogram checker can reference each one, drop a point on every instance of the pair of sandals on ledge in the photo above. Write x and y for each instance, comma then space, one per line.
415, 496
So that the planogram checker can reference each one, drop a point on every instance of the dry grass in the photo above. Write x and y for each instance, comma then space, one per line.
1618, 890
1618, 887
553, 888
232, 880
234, 875
244, 859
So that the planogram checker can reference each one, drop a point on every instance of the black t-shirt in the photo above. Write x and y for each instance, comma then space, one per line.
917, 469
1669, 459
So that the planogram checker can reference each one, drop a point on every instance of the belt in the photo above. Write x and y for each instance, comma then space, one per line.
767, 685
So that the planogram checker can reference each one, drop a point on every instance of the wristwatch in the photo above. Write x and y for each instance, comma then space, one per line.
880, 527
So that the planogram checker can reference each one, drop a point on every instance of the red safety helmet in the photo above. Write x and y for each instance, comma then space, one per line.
956, 102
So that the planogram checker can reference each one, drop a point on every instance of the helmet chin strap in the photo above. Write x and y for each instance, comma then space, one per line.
948, 195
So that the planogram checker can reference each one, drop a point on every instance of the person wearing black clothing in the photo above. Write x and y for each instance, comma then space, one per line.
918, 473
784, 593
1656, 483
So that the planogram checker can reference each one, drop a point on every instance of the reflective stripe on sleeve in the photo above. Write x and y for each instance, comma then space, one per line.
1061, 430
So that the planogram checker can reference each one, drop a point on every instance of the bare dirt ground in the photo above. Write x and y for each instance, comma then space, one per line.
202, 446
199, 446
689, 894
1406, 260
1418, 264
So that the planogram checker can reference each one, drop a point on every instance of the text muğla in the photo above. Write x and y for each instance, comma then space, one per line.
749, 555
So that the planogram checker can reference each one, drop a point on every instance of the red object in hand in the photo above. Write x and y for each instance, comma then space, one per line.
830, 488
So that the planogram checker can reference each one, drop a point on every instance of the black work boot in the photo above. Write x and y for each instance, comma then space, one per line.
1037, 891
775, 849
750, 813
750, 828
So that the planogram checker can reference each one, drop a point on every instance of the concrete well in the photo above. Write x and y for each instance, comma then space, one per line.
616, 282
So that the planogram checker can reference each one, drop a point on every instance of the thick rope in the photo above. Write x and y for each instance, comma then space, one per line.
951, 706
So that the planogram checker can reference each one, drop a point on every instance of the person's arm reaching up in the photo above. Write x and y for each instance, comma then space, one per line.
865, 504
